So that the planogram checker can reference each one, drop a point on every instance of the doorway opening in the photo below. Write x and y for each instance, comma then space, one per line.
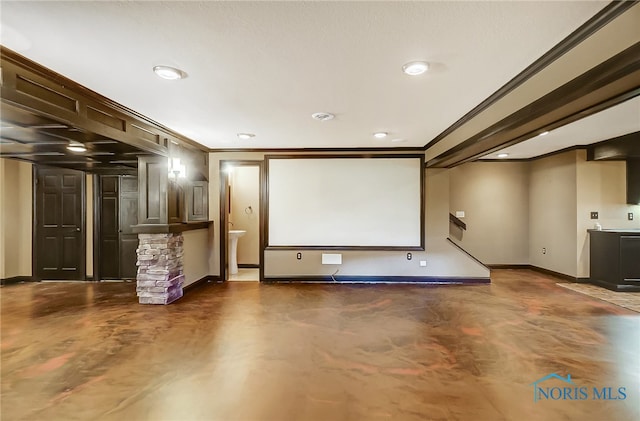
241, 220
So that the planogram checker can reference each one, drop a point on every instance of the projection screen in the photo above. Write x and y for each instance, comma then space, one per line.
345, 201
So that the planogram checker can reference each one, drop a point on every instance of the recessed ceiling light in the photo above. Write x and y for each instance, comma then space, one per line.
380, 135
503, 155
415, 68
323, 116
544, 133
169, 73
398, 140
246, 136
76, 147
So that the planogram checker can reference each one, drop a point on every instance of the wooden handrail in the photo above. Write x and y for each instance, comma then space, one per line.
457, 221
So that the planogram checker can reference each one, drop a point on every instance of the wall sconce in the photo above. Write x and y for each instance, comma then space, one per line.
176, 169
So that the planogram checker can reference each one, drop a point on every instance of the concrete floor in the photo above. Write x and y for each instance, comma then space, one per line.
246, 351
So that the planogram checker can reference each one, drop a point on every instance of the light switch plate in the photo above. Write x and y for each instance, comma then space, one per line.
423, 263
630, 216
459, 214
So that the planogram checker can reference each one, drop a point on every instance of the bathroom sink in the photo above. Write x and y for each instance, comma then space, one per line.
236, 233
233, 249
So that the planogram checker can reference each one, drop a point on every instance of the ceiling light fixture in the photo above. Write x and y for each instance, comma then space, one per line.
169, 73
76, 147
544, 133
246, 136
322, 116
415, 68
503, 155
380, 135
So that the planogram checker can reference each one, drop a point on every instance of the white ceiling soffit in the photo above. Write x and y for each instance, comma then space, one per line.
265, 67
616, 121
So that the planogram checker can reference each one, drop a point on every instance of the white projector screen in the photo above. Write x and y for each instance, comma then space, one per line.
345, 201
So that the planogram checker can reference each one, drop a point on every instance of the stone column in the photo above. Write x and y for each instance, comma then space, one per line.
160, 275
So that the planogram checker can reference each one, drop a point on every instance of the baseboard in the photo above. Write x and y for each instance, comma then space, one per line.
248, 266
543, 270
509, 266
433, 280
89, 278
17, 280
556, 274
202, 281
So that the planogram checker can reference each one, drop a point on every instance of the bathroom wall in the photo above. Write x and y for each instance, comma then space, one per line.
245, 211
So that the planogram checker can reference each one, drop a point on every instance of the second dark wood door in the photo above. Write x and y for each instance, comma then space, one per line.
118, 213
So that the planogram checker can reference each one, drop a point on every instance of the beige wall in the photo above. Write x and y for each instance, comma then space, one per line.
197, 246
552, 214
442, 258
495, 199
245, 193
15, 218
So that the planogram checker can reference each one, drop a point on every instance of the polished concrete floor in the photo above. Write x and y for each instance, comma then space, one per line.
245, 351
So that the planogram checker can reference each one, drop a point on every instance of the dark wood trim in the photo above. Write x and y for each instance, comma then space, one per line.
535, 158
347, 156
408, 149
456, 245
97, 221
248, 266
540, 270
224, 211
616, 148
17, 280
457, 222
432, 280
554, 273
602, 18
608, 84
500, 266
419, 156
170, 228
361, 248
201, 282
113, 116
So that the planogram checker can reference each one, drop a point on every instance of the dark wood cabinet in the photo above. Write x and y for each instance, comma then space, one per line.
615, 259
198, 201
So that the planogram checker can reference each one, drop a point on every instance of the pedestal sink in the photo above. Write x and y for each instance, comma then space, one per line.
233, 250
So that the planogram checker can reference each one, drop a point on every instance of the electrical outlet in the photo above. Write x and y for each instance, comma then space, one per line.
409, 256
630, 216
299, 256
594, 215
544, 250
423, 263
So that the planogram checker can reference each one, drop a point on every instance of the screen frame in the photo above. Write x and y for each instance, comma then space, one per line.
419, 157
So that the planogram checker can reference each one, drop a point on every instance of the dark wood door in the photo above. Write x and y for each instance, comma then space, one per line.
128, 218
59, 224
118, 212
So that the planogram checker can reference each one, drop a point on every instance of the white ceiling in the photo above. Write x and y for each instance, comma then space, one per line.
265, 67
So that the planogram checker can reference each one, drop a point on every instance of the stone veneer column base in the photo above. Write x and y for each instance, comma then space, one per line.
160, 275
